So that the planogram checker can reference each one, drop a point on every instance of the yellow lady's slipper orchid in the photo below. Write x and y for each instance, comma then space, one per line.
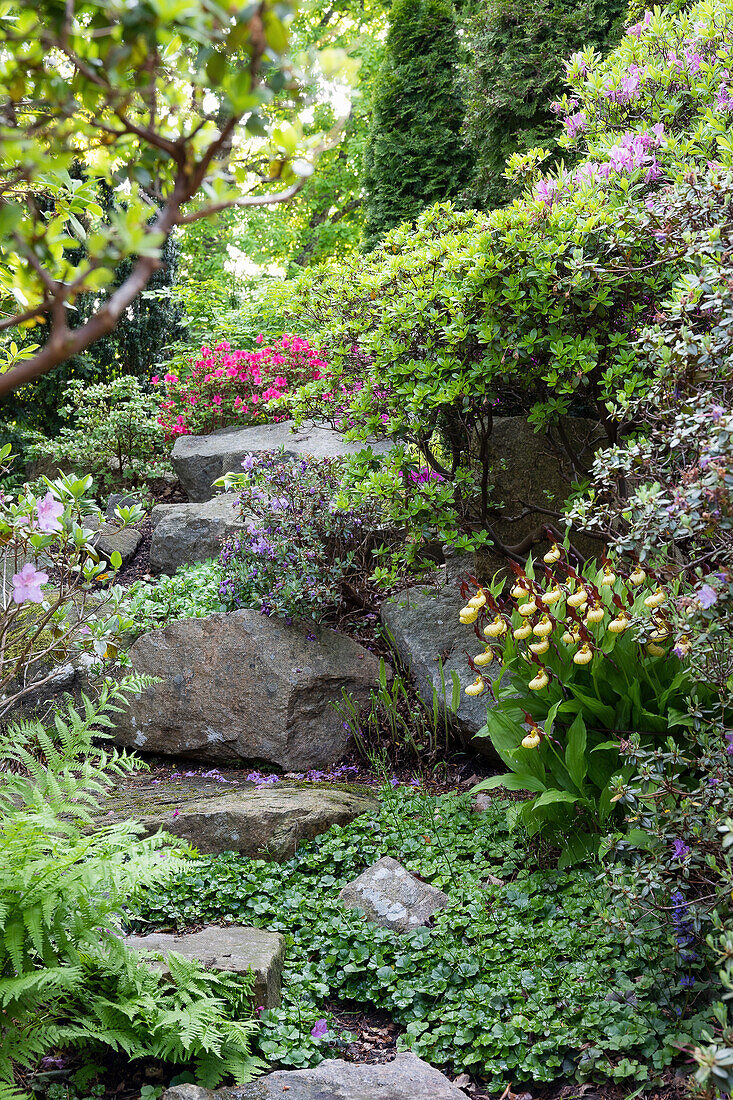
655, 650
528, 608
659, 635
523, 631
609, 577
656, 599
477, 687
478, 600
584, 655
538, 648
519, 591
553, 554
484, 658
496, 629
532, 740
578, 598
618, 625
468, 615
540, 681
552, 596
595, 614
570, 637
543, 627
637, 577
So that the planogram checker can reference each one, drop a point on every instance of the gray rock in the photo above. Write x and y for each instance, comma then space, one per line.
200, 460
236, 948
242, 686
392, 897
111, 537
124, 500
535, 469
407, 1077
425, 631
266, 823
185, 533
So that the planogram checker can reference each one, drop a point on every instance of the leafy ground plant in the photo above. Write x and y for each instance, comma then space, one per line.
515, 982
191, 593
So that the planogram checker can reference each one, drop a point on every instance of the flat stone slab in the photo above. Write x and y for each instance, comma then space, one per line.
200, 459
407, 1077
263, 823
392, 897
424, 627
186, 533
243, 686
235, 948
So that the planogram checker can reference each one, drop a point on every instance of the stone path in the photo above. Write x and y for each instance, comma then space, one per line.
200, 459
261, 823
405, 1078
233, 948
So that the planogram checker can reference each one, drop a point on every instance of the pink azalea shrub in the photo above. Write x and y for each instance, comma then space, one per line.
226, 387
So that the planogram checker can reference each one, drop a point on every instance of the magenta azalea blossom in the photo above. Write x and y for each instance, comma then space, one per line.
49, 512
27, 585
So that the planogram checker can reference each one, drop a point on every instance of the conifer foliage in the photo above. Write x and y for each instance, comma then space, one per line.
414, 156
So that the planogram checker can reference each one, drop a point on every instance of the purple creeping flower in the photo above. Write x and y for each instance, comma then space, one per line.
687, 981
249, 462
319, 1029
729, 746
680, 849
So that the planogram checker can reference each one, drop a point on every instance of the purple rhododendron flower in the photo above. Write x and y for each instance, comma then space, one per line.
249, 462
707, 596
27, 585
319, 1029
49, 510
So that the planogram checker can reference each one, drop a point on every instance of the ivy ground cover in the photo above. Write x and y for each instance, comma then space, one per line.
514, 982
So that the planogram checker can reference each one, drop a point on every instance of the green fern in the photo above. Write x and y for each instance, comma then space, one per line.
66, 978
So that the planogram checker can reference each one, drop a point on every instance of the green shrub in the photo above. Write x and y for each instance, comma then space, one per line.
533, 308
112, 431
414, 155
66, 980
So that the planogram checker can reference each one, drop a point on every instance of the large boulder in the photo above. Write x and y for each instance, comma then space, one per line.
242, 686
407, 1077
535, 470
264, 823
423, 626
200, 459
234, 948
393, 898
185, 533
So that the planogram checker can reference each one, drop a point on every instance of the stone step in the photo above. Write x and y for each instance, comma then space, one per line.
244, 687
261, 823
407, 1077
187, 533
235, 948
393, 898
200, 459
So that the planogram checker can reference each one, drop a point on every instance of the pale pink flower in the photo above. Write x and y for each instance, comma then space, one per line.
49, 510
27, 585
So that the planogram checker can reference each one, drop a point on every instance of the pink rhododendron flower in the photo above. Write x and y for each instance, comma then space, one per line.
49, 512
27, 585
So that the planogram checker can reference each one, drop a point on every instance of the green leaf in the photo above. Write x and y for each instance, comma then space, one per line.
575, 753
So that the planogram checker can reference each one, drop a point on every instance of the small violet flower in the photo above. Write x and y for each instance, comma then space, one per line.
319, 1029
